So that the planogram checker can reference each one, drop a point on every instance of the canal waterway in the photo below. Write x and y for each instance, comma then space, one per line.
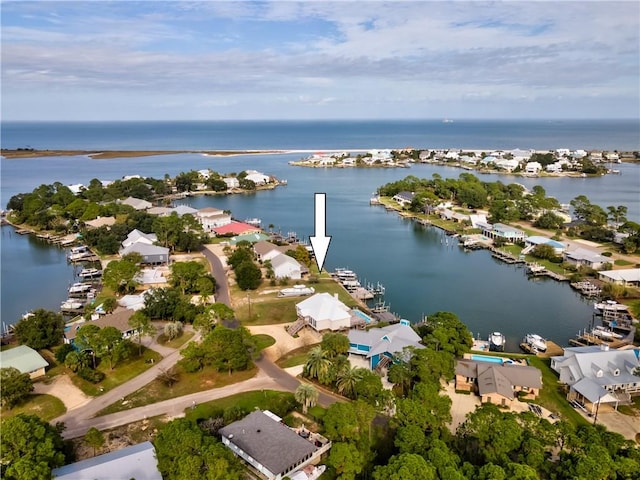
423, 271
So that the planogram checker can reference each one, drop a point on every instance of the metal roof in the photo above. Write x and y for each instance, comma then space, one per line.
24, 358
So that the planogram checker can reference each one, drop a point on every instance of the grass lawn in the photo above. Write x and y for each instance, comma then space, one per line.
295, 357
622, 263
176, 342
263, 341
552, 395
47, 407
247, 401
157, 391
631, 410
123, 372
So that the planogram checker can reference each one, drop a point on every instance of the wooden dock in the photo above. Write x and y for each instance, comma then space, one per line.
505, 257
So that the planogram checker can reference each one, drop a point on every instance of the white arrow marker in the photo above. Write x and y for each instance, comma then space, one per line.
319, 241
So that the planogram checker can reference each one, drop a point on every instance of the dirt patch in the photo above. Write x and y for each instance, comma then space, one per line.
63, 388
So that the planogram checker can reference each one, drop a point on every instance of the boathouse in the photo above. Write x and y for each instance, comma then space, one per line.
25, 359
381, 346
276, 451
136, 461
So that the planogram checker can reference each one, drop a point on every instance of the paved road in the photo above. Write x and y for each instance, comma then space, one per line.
219, 273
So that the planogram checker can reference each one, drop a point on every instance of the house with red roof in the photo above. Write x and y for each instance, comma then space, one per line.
235, 228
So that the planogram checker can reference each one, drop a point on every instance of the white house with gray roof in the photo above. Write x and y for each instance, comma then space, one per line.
25, 359
627, 276
136, 203
151, 254
285, 266
589, 258
383, 344
263, 441
136, 461
597, 374
324, 311
136, 236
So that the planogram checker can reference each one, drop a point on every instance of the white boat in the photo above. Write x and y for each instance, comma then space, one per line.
605, 333
610, 306
71, 304
90, 273
256, 222
535, 268
296, 291
536, 342
79, 287
496, 342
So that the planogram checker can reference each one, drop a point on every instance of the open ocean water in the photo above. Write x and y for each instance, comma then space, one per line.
422, 270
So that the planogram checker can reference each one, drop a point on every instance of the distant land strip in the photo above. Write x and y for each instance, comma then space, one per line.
107, 154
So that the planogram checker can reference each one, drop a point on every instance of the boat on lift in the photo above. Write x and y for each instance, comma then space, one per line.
496, 342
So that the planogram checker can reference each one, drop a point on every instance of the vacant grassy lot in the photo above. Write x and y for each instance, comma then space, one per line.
187, 383
246, 401
123, 372
47, 407
295, 357
176, 342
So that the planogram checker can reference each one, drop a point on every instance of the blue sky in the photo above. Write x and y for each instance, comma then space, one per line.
217, 60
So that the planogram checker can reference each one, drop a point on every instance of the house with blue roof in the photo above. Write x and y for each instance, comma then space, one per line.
535, 240
382, 346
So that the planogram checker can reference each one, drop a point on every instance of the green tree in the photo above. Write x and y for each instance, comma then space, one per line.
549, 221
76, 361
119, 274
184, 275
172, 330
161, 303
346, 460
229, 349
306, 395
544, 251
211, 316
87, 340
248, 276
334, 344
94, 439
141, 323
111, 346
406, 466
401, 376
317, 365
31, 448
41, 329
15, 386
347, 379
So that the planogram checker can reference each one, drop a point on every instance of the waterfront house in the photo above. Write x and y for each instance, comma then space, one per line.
276, 451
508, 164
506, 232
588, 258
533, 241
25, 359
151, 254
235, 228
533, 168
136, 203
404, 198
181, 210
597, 374
160, 211
324, 311
211, 218
382, 346
447, 214
285, 266
254, 237
497, 383
231, 182
264, 248
553, 167
629, 277
257, 177
76, 188
136, 461
136, 236
100, 222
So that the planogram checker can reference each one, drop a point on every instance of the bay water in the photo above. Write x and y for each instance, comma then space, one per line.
423, 271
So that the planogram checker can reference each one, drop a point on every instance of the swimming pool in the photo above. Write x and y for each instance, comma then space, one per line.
487, 358
362, 315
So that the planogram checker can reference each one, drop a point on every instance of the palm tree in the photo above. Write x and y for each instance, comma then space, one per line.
347, 379
318, 364
306, 395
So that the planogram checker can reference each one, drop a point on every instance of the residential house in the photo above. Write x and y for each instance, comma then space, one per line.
249, 237
181, 210
235, 228
562, 152
257, 177
151, 254
382, 346
533, 168
136, 236
232, 182
204, 174
160, 211
478, 219
628, 277
447, 214
597, 374
555, 167
285, 266
508, 164
211, 218
25, 359
488, 159
404, 198
76, 188
136, 203
324, 311
118, 319
589, 258
264, 248
506, 232
533, 241
100, 222
263, 441
498, 383
136, 461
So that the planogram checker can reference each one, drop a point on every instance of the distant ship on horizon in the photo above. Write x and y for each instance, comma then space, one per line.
447, 120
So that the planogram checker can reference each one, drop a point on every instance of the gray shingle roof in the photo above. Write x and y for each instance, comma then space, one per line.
269, 442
